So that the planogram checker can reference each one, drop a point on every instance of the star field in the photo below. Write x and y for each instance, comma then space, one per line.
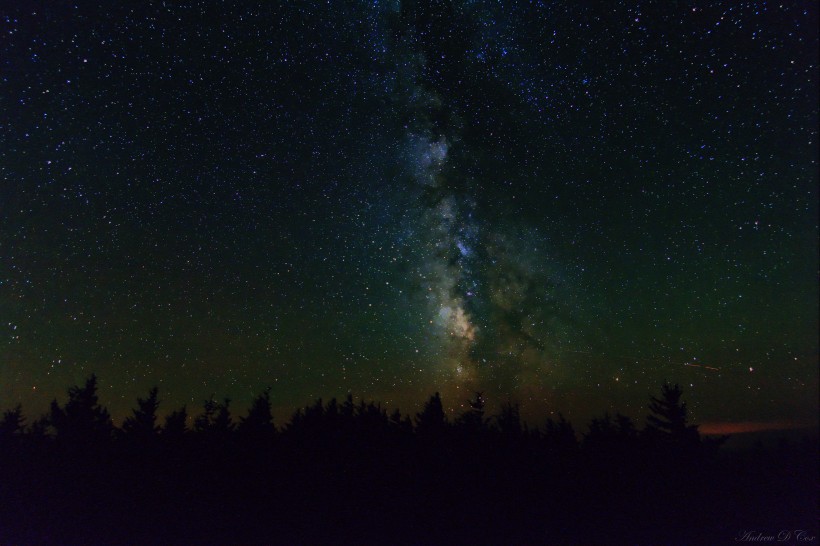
552, 202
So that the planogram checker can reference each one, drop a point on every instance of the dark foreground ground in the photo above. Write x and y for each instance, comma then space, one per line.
402, 490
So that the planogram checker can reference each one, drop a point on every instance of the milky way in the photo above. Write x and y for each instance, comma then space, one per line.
487, 283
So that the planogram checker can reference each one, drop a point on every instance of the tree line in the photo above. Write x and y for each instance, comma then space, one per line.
351, 472
83, 420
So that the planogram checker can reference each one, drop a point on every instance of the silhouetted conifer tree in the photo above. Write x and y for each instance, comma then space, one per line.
12, 425
472, 420
600, 430
204, 421
297, 422
314, 419
215, 418
259, 422
611, 432
668, 418
82, 420
625, 428
223, 421
400, 422
348, 407
432, 420
143, 423
509, 420
38, 430
372, 417
332, 409
560, 435
176, 425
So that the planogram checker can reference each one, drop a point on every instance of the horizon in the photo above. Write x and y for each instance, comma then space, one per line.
533, 419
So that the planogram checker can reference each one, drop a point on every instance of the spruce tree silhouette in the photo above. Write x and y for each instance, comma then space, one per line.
372, 419
401, 423
215, 420
38, 430
667, 422
625, 427
472, 421
601, 431
330, 421
176, 425
560, 436
432, 422
509, 420
257, 426
348, 408
142, 425
610, 434
13, 424
223, 423
82, 421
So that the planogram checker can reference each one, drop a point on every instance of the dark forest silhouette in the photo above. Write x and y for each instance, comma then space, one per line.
350, 472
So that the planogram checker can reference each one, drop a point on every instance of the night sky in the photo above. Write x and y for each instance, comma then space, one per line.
560, 203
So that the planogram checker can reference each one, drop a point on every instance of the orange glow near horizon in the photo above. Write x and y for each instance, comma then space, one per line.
741, 427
